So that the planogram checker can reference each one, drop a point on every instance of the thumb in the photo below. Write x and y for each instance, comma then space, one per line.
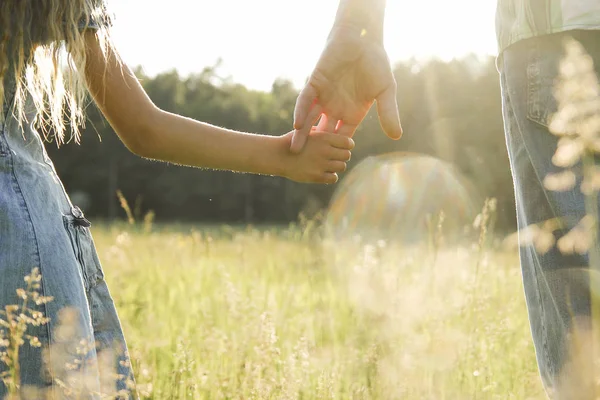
389, 117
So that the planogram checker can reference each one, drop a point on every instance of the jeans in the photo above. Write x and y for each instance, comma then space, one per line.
556, 285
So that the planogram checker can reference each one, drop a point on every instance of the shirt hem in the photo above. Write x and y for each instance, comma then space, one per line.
518, 38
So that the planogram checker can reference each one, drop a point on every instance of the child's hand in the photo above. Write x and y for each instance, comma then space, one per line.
324, 156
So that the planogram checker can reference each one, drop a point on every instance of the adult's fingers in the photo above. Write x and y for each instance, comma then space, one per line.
327, 124
389, 117
306, 99
346, 130
300, 135
303, 112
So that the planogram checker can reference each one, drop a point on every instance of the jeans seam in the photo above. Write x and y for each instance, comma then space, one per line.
511, 116
537, 280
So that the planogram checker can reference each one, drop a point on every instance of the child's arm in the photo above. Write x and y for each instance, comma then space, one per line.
153, 133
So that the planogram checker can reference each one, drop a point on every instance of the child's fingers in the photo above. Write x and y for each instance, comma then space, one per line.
329, 178
340, 155
341, 142
336, 166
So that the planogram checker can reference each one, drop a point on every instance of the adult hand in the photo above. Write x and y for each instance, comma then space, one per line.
352, 72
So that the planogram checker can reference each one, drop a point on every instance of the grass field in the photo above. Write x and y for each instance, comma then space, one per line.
281, 314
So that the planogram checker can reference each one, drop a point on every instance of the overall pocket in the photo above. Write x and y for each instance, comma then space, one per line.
77, 228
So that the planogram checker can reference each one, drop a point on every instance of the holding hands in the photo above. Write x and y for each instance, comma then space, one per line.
352, 73
322, 158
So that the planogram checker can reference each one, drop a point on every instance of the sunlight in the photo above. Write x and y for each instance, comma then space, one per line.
261, 40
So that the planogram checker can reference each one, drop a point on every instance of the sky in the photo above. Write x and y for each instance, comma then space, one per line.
261, 40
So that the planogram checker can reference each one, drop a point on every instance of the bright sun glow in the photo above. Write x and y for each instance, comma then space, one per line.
260, 40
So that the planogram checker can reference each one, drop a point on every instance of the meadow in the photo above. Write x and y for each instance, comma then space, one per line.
286, 313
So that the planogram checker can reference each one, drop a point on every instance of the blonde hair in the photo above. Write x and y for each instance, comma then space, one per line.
42, 45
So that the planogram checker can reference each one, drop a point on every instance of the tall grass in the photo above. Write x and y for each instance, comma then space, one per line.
247, 314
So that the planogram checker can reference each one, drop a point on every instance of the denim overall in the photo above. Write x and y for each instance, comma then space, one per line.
41, 228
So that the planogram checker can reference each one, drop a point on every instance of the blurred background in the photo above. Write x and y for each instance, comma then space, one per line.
240, 64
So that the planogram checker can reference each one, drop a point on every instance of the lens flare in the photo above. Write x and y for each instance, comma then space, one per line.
399, 197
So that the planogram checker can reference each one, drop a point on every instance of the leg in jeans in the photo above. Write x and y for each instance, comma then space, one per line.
556, 285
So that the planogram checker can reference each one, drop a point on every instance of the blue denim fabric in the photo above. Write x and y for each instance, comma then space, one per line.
41, 228
557, 286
